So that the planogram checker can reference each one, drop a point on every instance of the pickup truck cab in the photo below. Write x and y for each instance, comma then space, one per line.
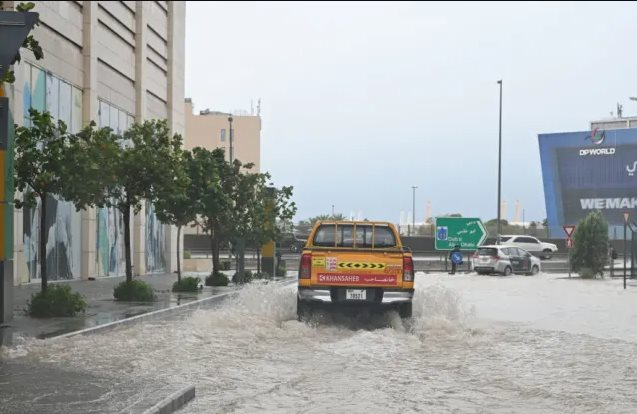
355, 263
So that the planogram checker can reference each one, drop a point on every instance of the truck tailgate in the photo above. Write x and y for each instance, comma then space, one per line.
357, 268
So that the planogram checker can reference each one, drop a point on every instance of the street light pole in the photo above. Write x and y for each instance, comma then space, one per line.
413, 210
332, 210
231, 138
499, 166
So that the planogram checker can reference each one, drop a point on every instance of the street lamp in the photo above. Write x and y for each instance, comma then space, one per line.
231, 137
413, 210
499, 166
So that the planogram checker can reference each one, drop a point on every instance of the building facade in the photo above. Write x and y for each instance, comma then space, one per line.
211, 129
115, 63
590, 170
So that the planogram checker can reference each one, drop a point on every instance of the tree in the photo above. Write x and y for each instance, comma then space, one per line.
176, 198
123, 170
41, 170
590, 245
207, 170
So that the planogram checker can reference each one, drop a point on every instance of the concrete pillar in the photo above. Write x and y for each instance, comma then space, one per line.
89, 113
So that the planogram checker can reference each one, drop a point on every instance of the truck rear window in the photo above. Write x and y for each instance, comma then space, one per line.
384, 237
342, 235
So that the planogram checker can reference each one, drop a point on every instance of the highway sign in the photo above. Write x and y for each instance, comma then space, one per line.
468, 233
569, 231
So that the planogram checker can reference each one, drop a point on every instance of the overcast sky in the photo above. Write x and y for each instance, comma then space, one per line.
360, 101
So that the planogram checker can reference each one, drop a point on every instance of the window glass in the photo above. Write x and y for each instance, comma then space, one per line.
325, 236
364, 236
345, 235
223, 135
384, 237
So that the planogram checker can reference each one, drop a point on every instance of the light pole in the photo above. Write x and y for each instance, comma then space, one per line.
231, 137
413, 209
332, 210
499, 165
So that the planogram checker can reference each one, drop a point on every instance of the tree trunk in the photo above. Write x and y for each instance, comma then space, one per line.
129, 267
44, 233
241, 264
215, 253
178, 255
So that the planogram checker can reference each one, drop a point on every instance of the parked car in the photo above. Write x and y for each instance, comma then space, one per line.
530, 244
505, 260
291, 242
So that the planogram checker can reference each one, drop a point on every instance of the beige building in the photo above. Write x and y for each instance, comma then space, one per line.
114, 62
211, 129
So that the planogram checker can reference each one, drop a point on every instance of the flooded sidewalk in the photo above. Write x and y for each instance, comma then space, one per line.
102, 307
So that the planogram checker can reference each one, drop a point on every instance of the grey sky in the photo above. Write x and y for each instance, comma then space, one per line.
360, 101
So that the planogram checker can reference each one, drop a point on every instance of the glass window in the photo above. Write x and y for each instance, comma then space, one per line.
345, 237
364, 236
65, 103
113, 120
487, 251
223, 135
505, 238
104, 114
122, 122
76, 111
384, 237
38, 89
325, 236
52, 95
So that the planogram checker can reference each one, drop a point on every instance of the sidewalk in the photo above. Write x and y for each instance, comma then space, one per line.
102, 307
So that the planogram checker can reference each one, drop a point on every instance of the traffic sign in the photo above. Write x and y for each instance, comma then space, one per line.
626, 216
569, 231
468, 233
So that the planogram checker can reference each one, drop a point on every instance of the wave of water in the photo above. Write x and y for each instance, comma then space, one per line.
251, 355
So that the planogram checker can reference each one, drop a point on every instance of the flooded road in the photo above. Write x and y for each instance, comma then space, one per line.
461, 353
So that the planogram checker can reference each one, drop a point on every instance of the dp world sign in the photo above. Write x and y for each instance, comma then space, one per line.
468, 233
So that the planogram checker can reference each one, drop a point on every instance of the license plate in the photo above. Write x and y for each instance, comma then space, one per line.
356, 294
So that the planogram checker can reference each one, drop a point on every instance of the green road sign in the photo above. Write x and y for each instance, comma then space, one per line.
468, 233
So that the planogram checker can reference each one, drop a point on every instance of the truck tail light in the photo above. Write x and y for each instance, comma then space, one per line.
305, 270
408, 269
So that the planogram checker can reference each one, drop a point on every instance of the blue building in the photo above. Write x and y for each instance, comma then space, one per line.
590, 170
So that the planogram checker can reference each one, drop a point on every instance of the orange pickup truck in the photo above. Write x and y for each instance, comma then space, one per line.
358, 263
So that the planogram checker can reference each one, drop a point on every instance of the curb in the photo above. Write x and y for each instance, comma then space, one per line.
153, 315
173, 402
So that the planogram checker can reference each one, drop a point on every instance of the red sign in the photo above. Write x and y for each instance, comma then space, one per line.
569, 243
568, 230
363, 279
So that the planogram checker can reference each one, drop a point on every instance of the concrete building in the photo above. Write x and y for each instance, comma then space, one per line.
615, 123
211, 129
114, 62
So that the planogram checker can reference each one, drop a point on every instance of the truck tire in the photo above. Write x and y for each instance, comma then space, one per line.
302, 310
405, 310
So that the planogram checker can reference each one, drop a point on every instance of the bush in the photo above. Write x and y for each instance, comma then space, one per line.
590, 245
247, 277
224, 265
262, 275
187, 254
56, 300
134, 291
587, 273
187, 284
281, 269
217, 279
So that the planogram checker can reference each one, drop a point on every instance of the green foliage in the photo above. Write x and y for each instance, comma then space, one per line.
42, 167
217, 279
247, 277
187, 254
57, 300
134, 291
281, 269
590, 245
29, 43
187, 284
261, 275
225, 265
